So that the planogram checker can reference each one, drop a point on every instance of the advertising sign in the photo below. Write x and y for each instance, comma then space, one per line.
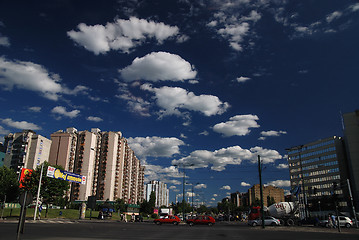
64, 175
24, 172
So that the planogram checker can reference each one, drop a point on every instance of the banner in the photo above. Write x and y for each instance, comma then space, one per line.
64, 175
24, 172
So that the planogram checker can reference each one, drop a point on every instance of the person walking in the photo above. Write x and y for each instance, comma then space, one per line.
330, 222
334, 221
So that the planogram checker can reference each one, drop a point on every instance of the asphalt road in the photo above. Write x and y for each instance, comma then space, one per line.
56, 230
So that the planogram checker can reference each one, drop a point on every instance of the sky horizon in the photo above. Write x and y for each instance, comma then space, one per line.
212, 83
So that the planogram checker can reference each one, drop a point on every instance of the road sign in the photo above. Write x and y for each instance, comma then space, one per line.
64, 175
28, 199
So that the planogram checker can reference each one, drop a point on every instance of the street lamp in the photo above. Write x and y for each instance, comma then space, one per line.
299, 149
184, 176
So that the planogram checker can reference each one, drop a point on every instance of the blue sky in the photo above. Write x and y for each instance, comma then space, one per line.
212, 83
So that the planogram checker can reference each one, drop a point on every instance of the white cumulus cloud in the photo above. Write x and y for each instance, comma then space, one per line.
225, 187
33, 77
155, 146
159, 66
280, 183
172, 99
234, 155
243, 79
238, 125
63, 112
20, 125
122, 34
244, 184
265, 134
199, 186
94, 119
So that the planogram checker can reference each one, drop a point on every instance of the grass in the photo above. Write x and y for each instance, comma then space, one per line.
54, 213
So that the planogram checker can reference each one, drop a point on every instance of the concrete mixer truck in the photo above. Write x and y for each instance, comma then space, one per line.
286, 212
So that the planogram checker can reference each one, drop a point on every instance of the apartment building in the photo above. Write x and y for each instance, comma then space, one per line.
161, 191
269, 193
25, 149
105, 158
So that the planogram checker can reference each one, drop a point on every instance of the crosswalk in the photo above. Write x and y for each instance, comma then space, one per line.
52, 221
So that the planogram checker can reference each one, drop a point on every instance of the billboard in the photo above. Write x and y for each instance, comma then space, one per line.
24, 172
64, 175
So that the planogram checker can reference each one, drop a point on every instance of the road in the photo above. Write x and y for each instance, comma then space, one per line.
56, 230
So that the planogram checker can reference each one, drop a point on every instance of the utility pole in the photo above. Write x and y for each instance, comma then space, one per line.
38, 192
261, 189
352, 202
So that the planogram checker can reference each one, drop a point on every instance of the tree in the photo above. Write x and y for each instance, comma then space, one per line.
120, 205
9, 185
52, 190
202, 209
152, 200
145, 207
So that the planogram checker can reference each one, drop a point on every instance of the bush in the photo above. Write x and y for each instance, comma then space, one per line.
154, 215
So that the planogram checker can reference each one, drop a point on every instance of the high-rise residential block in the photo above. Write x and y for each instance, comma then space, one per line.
161, 191
270, 193
105, 158
26, 149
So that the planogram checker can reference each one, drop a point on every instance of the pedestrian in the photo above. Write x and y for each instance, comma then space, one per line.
330, 222
334, 221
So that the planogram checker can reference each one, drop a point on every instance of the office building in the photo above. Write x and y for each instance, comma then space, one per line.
318, 172
351, 135
161, 191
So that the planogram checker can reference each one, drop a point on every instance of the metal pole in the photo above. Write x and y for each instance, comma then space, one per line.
2, 212
183, 203
261, 189
302, 177
352, 202
38, 192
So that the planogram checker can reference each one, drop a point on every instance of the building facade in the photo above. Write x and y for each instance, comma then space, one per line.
26, 149
270, 194
351, 136
109, 164
318, 171
161, 191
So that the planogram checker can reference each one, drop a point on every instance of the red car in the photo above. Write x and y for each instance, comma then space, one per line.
167, 219
207, 220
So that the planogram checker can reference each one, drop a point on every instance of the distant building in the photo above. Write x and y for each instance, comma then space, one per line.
109, 164
351, 135
317, 173
270, 193
26, 149
161, 191
239, 199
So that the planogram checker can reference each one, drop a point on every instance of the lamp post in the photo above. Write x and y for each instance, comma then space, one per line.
184, 177
299, 149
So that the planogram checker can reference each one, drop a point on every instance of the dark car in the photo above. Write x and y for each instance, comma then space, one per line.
206, 220
167, 219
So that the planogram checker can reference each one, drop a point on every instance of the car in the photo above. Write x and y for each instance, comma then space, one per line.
271, 221
204, 220
343, 221
167, 219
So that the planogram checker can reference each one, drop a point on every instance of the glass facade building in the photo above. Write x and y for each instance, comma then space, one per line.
318, 174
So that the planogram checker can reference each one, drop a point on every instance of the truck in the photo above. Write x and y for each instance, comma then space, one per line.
286, 212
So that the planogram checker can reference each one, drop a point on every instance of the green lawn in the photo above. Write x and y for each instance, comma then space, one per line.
53, 213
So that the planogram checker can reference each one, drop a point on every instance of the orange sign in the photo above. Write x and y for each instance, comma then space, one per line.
24, 172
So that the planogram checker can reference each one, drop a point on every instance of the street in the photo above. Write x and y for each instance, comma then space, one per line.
48, 229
